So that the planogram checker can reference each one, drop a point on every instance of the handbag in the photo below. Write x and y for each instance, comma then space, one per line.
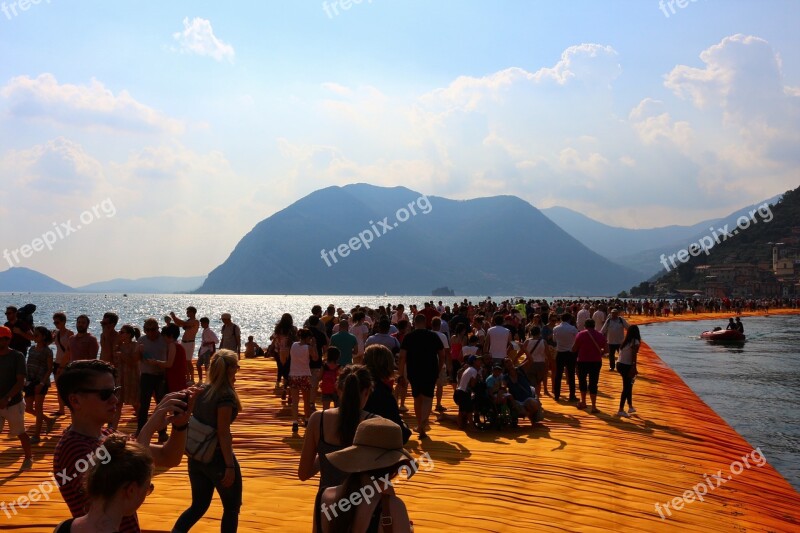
201, 441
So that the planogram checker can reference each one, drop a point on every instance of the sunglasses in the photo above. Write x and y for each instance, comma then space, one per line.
104, 394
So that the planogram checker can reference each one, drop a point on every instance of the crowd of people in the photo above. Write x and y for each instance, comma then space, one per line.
356, 365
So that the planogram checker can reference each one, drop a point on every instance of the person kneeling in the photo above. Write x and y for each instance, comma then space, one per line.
463, 394
525, 400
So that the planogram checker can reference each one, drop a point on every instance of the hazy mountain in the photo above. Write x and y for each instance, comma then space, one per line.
611, 241
21, 279
153, 285
751, 245
497, 245
638, 249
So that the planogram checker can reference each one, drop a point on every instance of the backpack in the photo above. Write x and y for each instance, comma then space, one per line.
25, 320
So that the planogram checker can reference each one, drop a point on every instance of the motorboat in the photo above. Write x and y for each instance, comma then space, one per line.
723, 335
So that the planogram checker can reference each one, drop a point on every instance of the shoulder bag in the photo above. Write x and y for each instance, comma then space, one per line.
201, 441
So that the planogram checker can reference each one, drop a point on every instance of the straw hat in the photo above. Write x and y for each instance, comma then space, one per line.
378, 444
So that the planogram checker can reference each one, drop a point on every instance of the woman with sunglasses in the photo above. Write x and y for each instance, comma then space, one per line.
217, 406
116, 486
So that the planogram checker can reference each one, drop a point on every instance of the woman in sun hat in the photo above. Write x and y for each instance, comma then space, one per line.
370, 505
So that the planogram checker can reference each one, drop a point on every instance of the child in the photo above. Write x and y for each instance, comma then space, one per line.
39, 367
330, 373
496, 388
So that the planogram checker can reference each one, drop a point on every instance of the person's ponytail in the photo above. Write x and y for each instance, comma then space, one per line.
353, 380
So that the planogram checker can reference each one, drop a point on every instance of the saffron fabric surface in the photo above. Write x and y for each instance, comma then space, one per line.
577, 472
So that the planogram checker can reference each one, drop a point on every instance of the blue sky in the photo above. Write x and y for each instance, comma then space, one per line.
198, 119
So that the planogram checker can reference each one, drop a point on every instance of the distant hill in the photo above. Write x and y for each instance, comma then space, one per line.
638, 249
497, 245
153, 285
751, 245
21, 279
611, 241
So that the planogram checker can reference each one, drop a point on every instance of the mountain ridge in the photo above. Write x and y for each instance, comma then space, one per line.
453, 243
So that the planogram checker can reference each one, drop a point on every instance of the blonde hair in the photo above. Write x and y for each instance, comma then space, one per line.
217, 377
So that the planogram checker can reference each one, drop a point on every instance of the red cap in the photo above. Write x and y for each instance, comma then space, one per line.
5, 332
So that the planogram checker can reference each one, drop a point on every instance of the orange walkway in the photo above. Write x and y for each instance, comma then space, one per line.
581, 472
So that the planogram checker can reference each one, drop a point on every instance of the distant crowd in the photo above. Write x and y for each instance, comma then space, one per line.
498, 359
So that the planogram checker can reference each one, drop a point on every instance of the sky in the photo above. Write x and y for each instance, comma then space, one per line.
147, 138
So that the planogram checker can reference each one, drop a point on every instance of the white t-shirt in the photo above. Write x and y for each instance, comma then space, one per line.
397, 317
564, 335
614, 330
208, 338
468, 374
626, 354
59, 341
445, 340
599, 317
301, 357
538, 355
499, 337
469, 350
581, 318
361, 333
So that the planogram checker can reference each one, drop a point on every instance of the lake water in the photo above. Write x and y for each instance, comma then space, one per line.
255, 314
754, 387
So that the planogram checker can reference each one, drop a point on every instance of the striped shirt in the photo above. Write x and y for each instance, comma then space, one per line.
75, 452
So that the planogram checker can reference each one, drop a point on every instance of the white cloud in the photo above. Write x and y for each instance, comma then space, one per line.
198, 38
555, 134
90, 106
59, 168
586, 65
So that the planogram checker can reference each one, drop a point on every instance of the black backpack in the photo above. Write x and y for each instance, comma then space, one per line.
25, 318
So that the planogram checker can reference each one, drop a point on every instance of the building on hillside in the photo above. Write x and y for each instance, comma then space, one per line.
740, 280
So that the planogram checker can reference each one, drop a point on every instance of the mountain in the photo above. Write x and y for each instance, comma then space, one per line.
153, 285
497, 245
750, 244
611, 241
638, 249
21, 279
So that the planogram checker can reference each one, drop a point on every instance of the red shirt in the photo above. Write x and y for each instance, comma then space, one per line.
429, 313
587, 350
76, 452
176, 374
